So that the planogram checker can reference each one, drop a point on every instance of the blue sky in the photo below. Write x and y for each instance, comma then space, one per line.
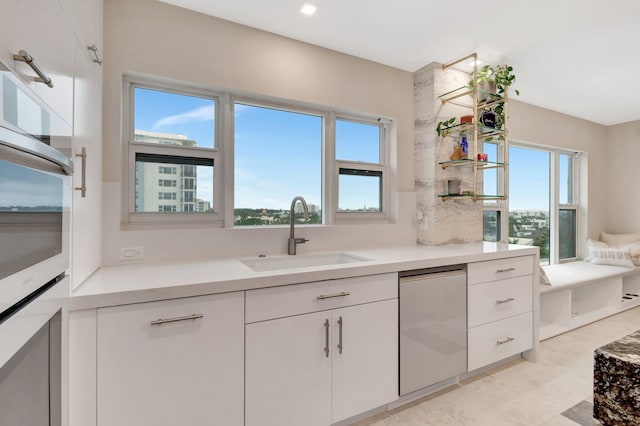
277, 153
528, 179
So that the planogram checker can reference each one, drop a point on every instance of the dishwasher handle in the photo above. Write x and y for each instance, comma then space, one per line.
432, 275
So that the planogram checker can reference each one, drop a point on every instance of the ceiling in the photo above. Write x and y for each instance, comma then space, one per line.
578, 57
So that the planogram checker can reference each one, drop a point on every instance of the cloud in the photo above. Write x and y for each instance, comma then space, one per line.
203, 113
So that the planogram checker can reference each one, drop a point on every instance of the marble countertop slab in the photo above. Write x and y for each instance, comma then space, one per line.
144, 282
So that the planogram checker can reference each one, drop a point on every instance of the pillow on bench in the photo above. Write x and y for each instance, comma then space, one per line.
616, 256
614, 249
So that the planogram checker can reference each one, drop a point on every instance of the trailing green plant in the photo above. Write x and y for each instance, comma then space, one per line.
442, 128
500, 75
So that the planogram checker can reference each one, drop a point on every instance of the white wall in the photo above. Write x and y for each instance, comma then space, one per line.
622, 206
153, 38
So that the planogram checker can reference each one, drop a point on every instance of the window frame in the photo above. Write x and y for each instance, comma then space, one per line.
133, 148
554, 199
223, 153
340, 217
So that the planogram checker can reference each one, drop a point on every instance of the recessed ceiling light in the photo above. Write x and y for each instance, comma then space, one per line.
308, 9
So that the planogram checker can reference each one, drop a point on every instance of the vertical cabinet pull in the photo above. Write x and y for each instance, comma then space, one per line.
83, 185
94, 49
340, 335
23, 56
326, 338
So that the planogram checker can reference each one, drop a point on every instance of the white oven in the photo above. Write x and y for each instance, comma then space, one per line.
35, 197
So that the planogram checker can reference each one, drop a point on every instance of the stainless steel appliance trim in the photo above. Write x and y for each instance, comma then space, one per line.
35, 147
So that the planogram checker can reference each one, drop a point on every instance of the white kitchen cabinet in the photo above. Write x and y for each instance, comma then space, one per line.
322, 367
86, 209
156, 367
41, 28
500, 309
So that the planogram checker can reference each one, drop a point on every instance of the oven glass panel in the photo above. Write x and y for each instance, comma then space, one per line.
31, 214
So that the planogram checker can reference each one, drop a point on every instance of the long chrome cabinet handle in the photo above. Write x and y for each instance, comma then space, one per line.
500, 271
23, 56
326, 338
160, 321
83, 185
340, 335
330, 296
509, 299
507, 340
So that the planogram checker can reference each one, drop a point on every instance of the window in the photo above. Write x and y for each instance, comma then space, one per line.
359, 160
172, 133
542, 202
178, 137
167, 170
278, 155
568, 206
167, 196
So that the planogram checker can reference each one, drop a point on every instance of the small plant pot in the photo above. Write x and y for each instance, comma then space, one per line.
485, 90
489, 118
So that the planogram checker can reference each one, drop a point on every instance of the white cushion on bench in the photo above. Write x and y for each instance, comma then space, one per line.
573, 274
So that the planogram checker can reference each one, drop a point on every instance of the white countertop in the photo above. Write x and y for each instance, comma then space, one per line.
144, 282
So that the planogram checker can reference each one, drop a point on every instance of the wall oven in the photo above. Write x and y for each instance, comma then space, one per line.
35, 197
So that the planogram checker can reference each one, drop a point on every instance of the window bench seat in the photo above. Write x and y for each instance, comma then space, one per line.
581, 292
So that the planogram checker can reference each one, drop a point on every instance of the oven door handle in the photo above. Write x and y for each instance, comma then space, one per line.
26, 144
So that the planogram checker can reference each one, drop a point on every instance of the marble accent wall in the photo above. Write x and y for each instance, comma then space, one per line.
451, 221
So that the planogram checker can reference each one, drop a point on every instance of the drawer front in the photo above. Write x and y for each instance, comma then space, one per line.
497, 300
277, 302
500, 339
492, 270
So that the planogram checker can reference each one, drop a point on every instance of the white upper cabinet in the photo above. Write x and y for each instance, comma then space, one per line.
86, 218
41, 29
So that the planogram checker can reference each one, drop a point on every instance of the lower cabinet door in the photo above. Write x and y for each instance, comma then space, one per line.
174, 362
365, 358
288, 371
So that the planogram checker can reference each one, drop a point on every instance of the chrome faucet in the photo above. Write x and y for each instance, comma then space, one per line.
293, 241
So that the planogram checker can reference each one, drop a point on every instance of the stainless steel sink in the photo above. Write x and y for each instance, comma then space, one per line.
262, 264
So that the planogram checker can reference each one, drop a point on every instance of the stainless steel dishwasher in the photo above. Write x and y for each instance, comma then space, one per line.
433, 326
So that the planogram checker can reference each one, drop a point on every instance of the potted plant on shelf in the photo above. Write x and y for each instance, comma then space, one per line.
493, 82
495, 79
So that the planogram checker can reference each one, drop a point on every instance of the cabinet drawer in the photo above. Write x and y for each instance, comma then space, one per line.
500, 339
277, 302
482, 272
499, 299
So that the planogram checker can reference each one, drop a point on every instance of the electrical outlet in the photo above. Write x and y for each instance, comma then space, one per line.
130, 253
